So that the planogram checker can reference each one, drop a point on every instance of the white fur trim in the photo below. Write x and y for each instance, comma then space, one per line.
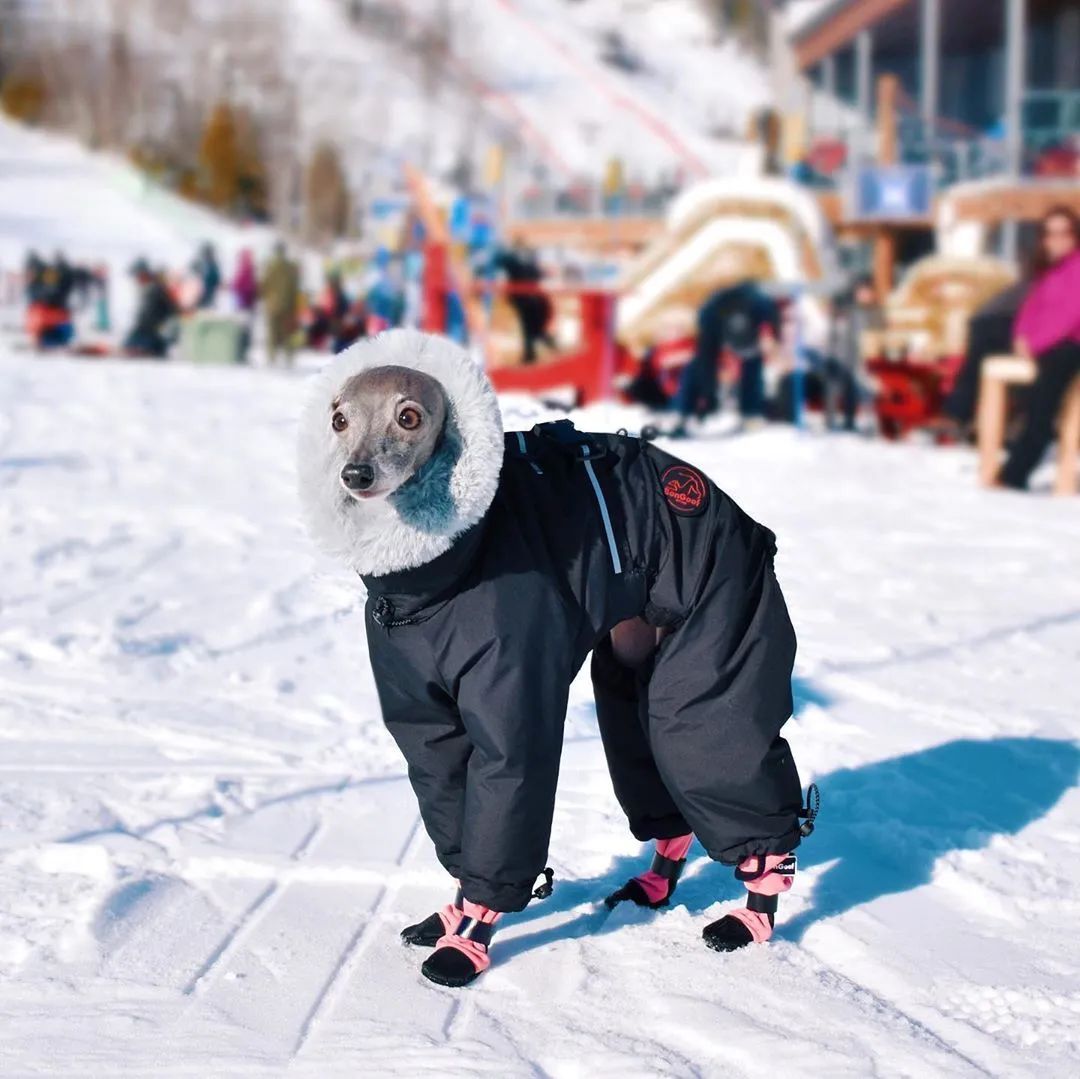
371, 537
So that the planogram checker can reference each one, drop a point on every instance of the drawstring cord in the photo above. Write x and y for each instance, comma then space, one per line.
545, 889
810, 810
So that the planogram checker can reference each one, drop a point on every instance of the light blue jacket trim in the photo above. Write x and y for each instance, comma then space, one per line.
616, 561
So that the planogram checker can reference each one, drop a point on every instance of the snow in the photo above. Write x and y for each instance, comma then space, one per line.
208, 845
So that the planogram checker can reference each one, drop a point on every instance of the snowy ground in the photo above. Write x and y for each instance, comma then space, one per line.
208, 847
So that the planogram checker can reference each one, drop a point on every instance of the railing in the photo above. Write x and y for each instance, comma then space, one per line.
1052, 113
958, 152
537, 201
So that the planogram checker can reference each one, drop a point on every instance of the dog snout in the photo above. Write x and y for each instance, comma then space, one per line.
357, 477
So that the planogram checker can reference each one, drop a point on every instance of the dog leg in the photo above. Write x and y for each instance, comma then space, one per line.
617, 682
655, 887
461, 955
766, 877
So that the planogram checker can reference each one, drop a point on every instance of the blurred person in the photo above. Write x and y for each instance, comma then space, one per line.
156, 309
329, 313
56, 284
1047, 329
386, 297
48, 316
833, 375
245, 292
743, 321
33, 277
245, 283
990, 332
206, 269
280, 293
533, 307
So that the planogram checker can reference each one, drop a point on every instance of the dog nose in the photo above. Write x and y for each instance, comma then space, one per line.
357, 477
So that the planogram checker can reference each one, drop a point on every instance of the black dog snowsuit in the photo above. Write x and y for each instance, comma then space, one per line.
496, 569
473, 655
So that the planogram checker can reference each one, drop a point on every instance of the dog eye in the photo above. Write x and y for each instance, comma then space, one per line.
338, 421
409, 418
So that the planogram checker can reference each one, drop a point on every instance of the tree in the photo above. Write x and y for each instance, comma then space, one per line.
326, 195
22, 97
219, 158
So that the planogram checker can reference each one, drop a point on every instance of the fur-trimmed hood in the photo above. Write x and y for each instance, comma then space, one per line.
450, 494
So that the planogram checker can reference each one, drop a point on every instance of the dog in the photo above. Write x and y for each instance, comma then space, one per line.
495, 565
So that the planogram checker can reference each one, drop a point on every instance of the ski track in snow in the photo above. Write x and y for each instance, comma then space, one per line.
208, 846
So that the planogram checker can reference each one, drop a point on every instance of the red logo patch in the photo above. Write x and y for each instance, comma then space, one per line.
685, 489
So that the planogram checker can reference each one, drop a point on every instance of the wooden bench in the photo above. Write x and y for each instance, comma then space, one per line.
998, 374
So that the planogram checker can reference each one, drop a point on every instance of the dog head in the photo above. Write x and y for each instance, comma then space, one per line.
399, 451
388, 422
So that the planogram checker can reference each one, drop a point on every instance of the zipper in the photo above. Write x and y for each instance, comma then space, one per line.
616, 561
382, 613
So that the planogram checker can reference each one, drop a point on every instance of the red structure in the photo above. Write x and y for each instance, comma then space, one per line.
590, 370
910, 394
436, 288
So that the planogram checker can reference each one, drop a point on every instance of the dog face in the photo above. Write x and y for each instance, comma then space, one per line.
388, 421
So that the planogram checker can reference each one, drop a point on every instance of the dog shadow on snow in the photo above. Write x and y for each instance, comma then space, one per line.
881, 828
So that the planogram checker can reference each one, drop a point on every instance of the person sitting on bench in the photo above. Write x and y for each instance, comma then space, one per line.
1048, 330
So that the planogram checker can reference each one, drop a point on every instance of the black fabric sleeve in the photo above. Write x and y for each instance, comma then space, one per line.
424, 722
512, 701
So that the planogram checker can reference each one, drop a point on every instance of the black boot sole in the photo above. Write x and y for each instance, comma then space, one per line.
633, 892
727, 934
450, 968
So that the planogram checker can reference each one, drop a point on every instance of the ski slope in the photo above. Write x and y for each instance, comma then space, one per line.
528, 70
208, 846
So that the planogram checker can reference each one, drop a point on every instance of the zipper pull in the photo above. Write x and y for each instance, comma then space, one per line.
383, 611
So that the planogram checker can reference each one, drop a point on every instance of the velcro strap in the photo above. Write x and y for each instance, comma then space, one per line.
786, 868
762, 904
475, 930
668, 868
459, 899
751, 874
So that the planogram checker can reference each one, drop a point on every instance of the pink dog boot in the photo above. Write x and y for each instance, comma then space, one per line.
655, 887
462, 954
765, 877
434, 927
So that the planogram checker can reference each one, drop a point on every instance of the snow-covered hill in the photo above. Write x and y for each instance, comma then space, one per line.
561, 84
98, 210
207, 843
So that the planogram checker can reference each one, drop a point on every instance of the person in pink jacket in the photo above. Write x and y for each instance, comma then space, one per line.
245, 283
1048, 328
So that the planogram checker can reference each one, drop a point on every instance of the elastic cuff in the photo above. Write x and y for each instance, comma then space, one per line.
504, 898
668, 827
757, 848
